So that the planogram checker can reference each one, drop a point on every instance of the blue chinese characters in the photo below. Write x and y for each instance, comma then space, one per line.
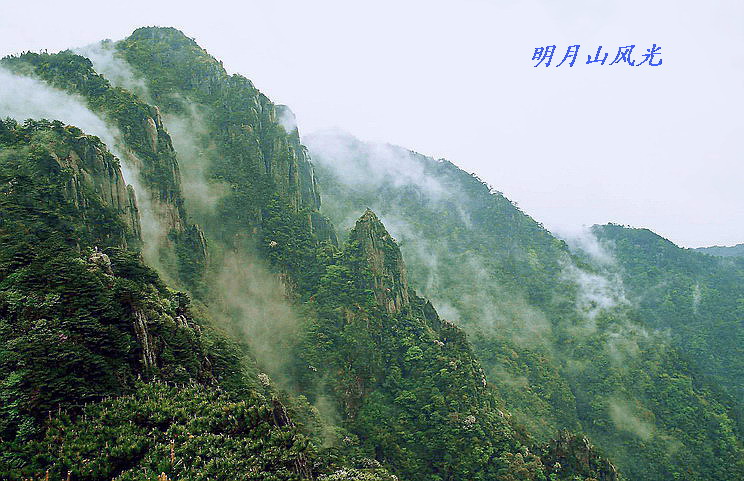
544, 56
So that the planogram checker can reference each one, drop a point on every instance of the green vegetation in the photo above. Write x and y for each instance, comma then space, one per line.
149, 151
107, 372
81, 316
698, 298
559, 334
245, 148
733, 251
128, 382
188, 432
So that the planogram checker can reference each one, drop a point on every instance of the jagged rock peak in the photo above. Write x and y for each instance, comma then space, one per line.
384, 260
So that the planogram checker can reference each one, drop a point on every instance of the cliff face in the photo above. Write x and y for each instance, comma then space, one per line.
388, 278
151, 150
94, 169
147, 150
292, 171
74, 294
78, 168
252, 145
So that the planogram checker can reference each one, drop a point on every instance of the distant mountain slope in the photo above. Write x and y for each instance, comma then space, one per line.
698, 298
732, 251
556, 328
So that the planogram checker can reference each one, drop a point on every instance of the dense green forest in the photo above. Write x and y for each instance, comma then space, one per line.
189, 309
594, 334
735, 251
698, 298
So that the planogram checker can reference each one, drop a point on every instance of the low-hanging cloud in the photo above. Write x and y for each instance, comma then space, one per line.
244, 296
601, 288
194, 148
286, 118
116, 70
23, 97
373, 164
247, 292
625, 416
252, 302
585, 241
596, 292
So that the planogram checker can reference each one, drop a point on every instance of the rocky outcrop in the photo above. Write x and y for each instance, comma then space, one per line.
146, 150
379, 251
149, 149
144, 338
572, 453
100, 260
94, 170
304, 183
253, 136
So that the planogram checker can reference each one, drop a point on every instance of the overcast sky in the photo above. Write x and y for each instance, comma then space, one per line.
650, 147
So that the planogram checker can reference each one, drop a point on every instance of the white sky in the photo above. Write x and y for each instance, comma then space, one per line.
650, 147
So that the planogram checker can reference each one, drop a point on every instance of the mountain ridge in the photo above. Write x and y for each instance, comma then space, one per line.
544, 309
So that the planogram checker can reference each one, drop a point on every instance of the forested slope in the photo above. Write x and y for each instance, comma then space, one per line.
569, 335
282, 355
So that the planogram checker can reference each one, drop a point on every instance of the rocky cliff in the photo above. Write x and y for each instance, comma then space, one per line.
384, 261
252, 146
70, 231
89, 176
147, 151
93, 168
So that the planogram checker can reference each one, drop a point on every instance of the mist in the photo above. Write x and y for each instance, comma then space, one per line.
249, 300
379, 163
624, 416
194, 148
583, 240
596, 292
369, 167
286, 118
589, 276
24, 98
244, 295
116, 70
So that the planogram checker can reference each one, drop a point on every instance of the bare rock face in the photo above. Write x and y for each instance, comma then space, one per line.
388, 278
99, 260
299, 175
157, 165
573, 453
152, 132
95, 170
145, 340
